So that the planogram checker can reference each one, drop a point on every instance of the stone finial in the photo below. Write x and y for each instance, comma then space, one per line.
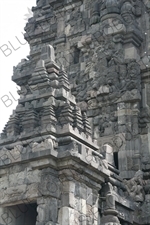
63, 78
12, 127
65, 114
3, 135
48, 116
40, 75
86, 124
48, 53
78, 123
30, 120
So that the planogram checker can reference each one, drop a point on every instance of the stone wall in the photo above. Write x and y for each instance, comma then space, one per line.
92, 90
103, 46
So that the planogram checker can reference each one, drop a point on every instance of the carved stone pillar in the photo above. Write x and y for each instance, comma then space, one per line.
129, 153
109, 208
47, 211
79, 201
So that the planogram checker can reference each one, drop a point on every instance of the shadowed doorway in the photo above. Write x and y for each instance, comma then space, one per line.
23, 214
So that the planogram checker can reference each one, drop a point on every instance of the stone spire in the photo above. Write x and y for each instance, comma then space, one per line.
47, 155
64, 82
47, 102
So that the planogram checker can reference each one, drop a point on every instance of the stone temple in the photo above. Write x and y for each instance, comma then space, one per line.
76, 150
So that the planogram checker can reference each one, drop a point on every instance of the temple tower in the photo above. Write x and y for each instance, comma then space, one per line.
77, 148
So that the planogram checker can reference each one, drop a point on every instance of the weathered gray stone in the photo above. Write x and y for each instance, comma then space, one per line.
48, 149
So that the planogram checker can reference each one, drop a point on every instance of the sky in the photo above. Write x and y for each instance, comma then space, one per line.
13, 48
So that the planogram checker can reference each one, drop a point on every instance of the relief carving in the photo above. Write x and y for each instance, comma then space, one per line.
135, 187
46, 144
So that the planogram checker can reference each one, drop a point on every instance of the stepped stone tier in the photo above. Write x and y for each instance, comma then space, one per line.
76, 150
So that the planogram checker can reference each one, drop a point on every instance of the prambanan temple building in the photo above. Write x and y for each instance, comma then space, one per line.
76, 150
